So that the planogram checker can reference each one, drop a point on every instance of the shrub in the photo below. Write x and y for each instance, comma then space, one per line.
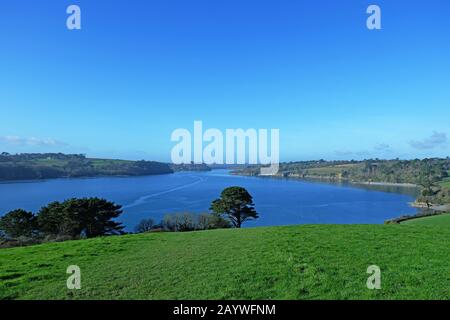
145, 225
189, 222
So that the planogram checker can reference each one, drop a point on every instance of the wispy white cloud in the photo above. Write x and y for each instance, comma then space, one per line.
348, 153
382, 147
31, 141
437, 139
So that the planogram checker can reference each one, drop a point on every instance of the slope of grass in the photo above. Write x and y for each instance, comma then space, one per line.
294, 262
440, 220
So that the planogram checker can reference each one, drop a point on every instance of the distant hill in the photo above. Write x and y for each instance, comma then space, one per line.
189, 167
432, 175
57, 165
425, 171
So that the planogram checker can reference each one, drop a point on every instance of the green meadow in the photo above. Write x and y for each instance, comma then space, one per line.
293, 262
440, 220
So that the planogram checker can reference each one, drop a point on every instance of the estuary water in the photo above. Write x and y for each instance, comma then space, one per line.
279, 201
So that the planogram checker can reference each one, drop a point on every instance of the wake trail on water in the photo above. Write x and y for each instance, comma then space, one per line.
143, 199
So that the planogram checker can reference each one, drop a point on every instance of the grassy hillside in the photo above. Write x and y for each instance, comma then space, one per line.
295, 262
440, 220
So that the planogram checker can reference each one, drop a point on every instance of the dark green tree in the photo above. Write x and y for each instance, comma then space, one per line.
236, 204
56, 219
18, 223
91, 217
96, 216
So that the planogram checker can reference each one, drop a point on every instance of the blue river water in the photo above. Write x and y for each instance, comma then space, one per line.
279, 201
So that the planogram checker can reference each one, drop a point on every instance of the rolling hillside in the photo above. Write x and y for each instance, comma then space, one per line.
295, 262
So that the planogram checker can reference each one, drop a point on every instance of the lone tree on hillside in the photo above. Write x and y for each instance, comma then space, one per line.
236, 204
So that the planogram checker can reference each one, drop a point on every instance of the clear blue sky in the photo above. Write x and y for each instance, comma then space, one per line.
140, 69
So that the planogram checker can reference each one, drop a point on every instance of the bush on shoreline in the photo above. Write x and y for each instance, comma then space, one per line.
183, 222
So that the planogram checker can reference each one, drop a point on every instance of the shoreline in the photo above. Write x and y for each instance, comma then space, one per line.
433, 207
392, 184
402, 219
328, 179
8, 181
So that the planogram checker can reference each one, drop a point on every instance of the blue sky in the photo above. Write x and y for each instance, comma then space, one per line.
137, 70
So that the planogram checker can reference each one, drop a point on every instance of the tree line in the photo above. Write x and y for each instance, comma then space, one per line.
234, 207
182, 222
93, 217
71, 219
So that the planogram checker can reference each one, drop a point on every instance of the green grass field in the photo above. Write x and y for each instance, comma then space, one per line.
295, 262
440, 220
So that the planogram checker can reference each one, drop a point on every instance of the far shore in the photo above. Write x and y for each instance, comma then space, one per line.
394, 184
328, 179
433, 207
